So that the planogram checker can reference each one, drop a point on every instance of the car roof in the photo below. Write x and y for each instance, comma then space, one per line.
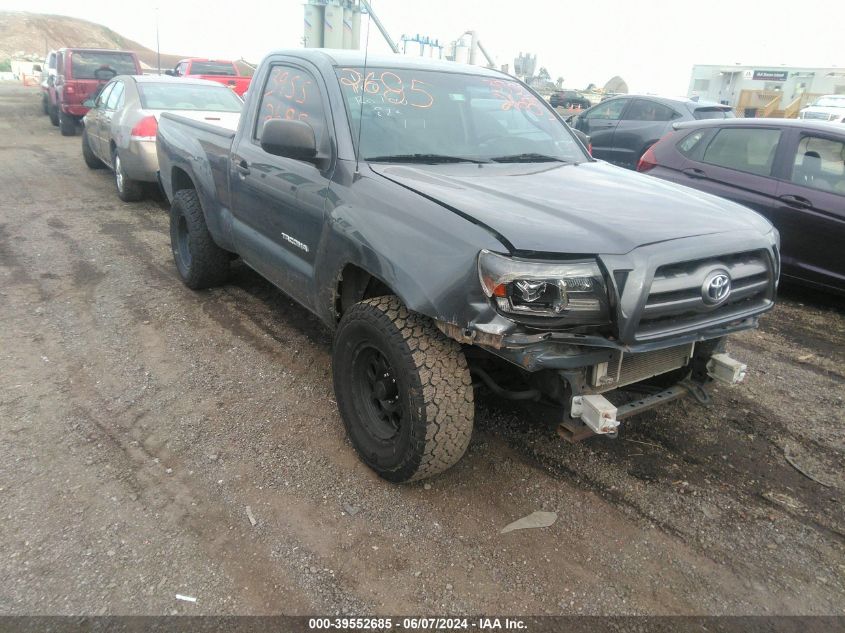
86, 49
350, 57
167, 79
802, 124
684, 100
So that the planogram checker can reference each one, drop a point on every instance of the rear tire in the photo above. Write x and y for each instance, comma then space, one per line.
128, 190
403, 390
199, 261
88, 154
53, 112
67, 124
44, 105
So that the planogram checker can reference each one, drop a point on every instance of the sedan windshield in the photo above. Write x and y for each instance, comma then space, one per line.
179, 96
831, 102
443, 117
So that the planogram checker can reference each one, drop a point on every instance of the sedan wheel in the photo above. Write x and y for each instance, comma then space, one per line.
128, 190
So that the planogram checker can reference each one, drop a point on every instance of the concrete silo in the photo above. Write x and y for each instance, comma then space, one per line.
333, 26
313, 26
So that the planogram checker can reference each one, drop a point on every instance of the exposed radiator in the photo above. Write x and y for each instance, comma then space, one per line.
625, 369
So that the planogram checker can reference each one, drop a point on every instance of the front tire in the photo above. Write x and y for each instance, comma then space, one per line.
67, 124
403, 390
128, 190
199, 261
88, 154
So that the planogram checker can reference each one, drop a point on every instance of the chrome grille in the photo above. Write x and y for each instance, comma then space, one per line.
676, 300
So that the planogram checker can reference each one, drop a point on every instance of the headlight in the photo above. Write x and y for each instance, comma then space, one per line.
539, 292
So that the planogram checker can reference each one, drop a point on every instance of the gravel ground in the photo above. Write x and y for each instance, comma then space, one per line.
139, 421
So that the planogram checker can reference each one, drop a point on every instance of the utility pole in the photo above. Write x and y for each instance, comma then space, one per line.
158, 48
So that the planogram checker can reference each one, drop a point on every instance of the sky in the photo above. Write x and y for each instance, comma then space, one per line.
652, 44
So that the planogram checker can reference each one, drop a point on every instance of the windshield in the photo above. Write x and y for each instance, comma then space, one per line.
434, 116
178, 96
85, 64
225, 69
831, 102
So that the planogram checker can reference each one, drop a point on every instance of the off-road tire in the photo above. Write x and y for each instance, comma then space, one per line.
128, 190
53, 112
199, 261
432, 382
45, 106
67, 124
88, 154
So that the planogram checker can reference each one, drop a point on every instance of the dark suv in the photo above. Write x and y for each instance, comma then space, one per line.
624, 127
792, 172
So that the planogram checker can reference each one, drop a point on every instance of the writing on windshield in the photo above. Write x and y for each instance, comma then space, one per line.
405, 112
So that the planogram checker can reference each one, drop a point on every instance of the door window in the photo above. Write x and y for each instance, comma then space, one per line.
645, 110
610, 110
115, 98
292, 93
104, 95
744, 149
819, 163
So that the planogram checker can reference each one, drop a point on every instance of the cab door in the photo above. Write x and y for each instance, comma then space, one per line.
811, 213
279, 203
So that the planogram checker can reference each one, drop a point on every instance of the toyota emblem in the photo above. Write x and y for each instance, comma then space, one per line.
716, 287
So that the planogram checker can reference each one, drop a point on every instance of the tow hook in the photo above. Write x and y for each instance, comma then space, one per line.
725, 369
597, 412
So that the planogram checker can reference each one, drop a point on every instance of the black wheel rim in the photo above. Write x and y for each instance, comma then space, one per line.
376, 393
183, 242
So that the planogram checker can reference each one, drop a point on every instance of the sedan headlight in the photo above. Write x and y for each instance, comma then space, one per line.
541, 293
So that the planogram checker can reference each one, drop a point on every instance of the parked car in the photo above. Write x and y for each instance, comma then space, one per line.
569, 99
120, 127
445, 223
828, 108
48, 80
623, 128
219, 70
81, 72
791, 172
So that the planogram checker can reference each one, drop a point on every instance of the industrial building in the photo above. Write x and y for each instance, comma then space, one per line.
765, 91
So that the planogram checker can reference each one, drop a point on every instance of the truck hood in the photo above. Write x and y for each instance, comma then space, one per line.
588, 208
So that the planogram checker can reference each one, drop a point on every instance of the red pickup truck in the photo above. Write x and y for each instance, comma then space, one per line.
219, 70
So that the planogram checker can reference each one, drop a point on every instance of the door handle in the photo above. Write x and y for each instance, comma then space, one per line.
797, 201
242, 167
694, 172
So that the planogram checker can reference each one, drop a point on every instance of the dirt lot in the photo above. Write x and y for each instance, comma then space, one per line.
139, 420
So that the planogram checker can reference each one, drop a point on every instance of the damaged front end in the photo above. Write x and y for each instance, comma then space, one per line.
595, 341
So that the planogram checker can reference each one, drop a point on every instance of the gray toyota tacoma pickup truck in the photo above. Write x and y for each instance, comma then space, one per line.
457, 238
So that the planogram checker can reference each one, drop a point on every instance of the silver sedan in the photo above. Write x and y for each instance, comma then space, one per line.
120, 128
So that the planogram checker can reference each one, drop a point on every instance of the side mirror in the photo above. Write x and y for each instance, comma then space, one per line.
89, 103
291, 139
170, 72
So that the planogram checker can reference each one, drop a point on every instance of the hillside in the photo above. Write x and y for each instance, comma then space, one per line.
35, 33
